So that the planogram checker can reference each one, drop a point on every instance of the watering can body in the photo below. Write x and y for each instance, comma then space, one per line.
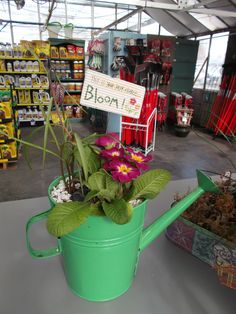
100, 257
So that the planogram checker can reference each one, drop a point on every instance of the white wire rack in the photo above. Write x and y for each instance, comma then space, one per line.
150, 126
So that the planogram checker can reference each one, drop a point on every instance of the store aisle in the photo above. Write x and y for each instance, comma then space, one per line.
181, 156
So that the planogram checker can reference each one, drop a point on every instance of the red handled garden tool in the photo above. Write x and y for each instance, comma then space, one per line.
216, 108
226, 107
153, 105
145, 111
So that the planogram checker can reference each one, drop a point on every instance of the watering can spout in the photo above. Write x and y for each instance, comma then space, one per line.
205, 184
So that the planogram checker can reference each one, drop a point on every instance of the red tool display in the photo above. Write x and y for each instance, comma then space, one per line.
187, 99
161, 110
223, 112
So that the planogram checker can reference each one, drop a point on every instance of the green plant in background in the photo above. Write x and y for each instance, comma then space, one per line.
107, 178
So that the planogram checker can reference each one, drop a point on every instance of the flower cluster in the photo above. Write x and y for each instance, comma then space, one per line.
124, 164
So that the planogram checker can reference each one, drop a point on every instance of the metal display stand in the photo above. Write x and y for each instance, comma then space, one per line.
145, 129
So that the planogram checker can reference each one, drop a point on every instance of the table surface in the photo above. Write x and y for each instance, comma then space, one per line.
168, 281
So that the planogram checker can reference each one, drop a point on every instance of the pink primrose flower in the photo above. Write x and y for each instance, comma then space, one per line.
108, 141
138, 158
112, 153
123, 171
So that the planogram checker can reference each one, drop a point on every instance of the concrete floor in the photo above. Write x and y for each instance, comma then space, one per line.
181, 156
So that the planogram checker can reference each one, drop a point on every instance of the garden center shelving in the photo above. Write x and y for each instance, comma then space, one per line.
9, 125
96, 50
67, 74
26, 73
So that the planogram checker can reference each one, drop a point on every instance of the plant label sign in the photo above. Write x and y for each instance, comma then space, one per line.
103, 92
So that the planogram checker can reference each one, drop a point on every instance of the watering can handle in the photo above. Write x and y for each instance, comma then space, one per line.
39, 254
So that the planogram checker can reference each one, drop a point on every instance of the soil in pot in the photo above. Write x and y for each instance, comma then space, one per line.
216, 212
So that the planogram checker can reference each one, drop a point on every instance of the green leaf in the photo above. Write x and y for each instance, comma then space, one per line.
96, 209
28, 139
111, 184
93, 161
118, 211
97, 181
67, 152
51, 127
47, 123
149, 184
106, 194
82, 156
30, 144
91, 138
90, 195
65, 217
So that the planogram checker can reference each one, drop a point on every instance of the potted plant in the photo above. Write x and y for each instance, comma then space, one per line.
98, 213
207, 229
184, 117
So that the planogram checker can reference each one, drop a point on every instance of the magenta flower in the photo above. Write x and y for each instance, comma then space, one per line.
138, 158
112, 153
108, 141
123, 171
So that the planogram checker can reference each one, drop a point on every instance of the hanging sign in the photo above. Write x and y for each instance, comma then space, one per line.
103, 92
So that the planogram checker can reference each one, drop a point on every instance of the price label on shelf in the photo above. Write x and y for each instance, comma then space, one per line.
103, 92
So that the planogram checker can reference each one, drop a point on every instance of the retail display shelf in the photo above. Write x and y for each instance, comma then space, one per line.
5, 120
21, 72
31, 120
3, 161
78, 58
73, 91
22, 58
70, 105
31, 88
24, 88
69, 80
36, 104
9, 140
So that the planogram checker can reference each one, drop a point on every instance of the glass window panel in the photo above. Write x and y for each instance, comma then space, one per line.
103, 16
209, 21
28, 13
84, 34
216, 60
165, 32
133, 23
201, 57
79, 15
25, 32
149, 25
4, 10
58, 14
121, 13
5, 33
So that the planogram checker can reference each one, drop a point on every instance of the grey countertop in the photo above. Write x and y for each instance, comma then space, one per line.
168, 281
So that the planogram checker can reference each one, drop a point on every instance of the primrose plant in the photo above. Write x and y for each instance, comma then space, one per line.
107, 178
116, 182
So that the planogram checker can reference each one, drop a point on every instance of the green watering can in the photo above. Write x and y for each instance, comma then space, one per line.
100, 257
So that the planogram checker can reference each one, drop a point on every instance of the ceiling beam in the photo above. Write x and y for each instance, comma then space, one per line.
173, 7
214, 12
199, 4
122, 19
145, 4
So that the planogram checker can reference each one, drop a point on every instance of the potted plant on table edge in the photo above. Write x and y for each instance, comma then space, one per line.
207, 228
98, 214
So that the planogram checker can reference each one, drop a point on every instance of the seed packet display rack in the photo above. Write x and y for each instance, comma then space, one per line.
28, 77
67, 75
